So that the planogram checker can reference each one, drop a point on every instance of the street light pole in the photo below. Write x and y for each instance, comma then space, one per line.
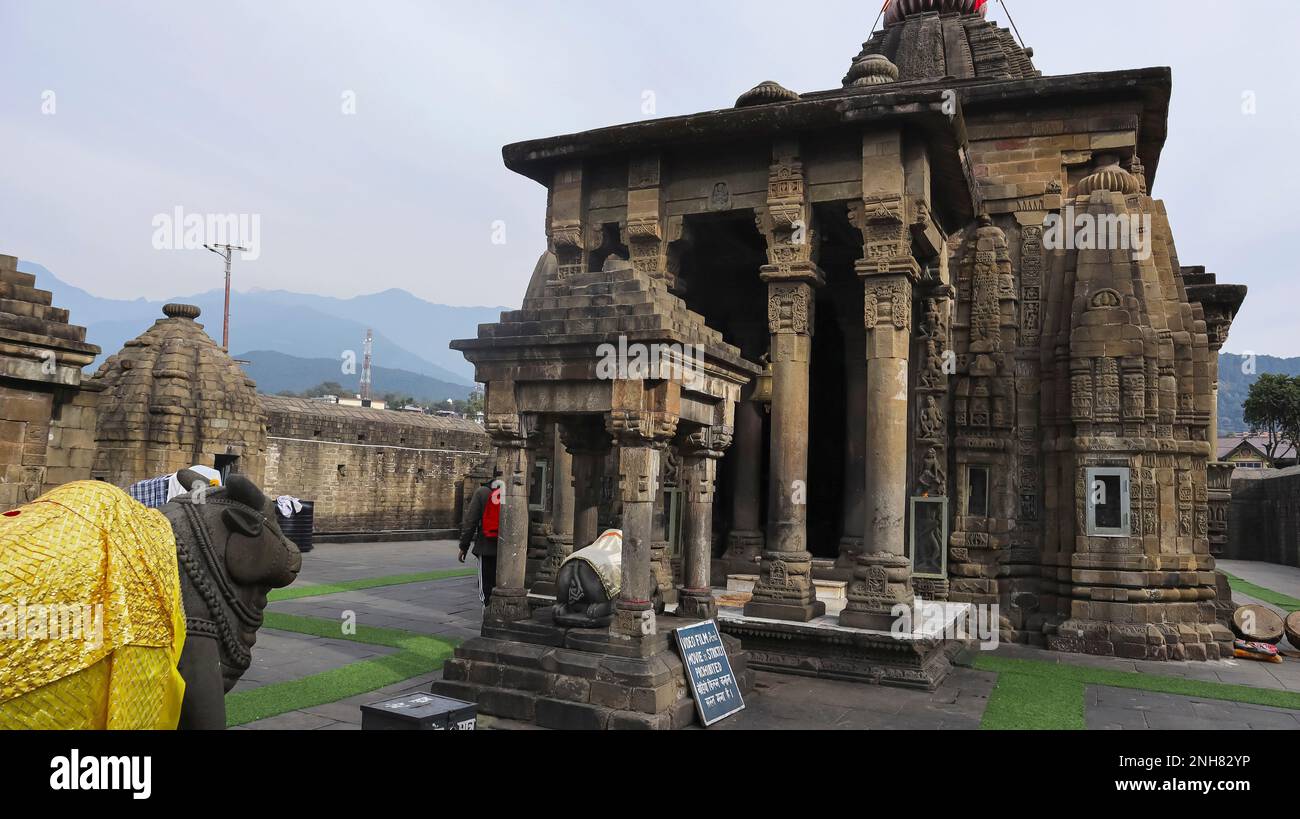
226, 252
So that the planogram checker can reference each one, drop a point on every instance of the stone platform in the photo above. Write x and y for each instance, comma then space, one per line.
580, 679
823, 648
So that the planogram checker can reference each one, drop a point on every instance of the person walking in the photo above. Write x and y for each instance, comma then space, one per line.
480, 527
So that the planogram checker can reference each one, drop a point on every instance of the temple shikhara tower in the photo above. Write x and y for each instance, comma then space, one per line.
945, 349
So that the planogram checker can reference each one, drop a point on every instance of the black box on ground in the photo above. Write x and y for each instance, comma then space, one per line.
419, 712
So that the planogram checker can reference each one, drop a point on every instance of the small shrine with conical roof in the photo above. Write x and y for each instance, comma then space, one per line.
172, 398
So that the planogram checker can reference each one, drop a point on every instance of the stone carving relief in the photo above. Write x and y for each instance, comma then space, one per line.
789, 308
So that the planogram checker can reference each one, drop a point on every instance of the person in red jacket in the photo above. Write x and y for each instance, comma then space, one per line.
480, 527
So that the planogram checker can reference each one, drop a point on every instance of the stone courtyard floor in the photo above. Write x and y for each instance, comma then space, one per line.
366, 622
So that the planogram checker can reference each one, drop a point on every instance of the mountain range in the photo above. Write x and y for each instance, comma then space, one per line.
296, 341
271, 327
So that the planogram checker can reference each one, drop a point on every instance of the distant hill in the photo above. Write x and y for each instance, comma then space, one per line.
1234, 385
410, 334
299, 339
276, 372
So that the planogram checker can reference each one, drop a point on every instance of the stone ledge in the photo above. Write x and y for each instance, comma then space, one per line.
555, 686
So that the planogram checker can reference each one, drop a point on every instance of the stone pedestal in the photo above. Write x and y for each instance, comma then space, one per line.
785, 590
824, 650
574, 679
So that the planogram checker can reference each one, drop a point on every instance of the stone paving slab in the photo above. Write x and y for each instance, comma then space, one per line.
281, 656
337, 562
1107, 708
439, 607
784, 702
1272, 576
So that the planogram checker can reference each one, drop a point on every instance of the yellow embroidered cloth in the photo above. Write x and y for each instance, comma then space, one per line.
91, 622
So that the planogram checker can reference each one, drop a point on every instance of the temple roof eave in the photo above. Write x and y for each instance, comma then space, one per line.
918, 103
920, 108
542, 354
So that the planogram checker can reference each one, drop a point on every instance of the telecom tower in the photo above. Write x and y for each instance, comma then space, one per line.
366, 383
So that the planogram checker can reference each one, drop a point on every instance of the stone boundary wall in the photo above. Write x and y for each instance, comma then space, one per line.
71, 452
1264, 519
373, 472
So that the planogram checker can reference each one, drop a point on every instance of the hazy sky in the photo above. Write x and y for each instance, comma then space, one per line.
238, 107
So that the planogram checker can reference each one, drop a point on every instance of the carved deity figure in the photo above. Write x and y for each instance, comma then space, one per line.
932, 421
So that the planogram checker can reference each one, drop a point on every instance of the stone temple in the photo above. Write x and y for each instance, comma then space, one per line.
943, 347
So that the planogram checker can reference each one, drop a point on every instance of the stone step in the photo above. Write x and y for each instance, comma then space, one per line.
14, 277
23, 292
33, 309
40, 327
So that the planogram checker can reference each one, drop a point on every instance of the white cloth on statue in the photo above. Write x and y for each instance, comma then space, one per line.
288, 506
175, 489
605, 557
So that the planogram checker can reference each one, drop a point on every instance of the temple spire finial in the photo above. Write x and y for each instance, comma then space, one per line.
899, 9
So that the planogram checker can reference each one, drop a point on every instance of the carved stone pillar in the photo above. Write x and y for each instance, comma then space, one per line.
588, 446
509, 601
785, 590
882, 578
855, 456
559, 543
639, 473
745, 541
701, 453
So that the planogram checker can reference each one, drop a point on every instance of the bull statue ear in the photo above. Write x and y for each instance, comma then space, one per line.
246, 523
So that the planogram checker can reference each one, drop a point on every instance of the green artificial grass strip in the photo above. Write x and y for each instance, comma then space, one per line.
417, 654
323, 589
1269, 596
1047, 675
1025, 702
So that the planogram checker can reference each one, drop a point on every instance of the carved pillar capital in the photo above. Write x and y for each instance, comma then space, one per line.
886, 237
790, 307
640, 428
887, 302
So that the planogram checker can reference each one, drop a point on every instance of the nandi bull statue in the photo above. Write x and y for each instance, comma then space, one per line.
589, 581
113, 615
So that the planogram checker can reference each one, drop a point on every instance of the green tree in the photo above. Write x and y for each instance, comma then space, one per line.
1273, 410
327, 388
